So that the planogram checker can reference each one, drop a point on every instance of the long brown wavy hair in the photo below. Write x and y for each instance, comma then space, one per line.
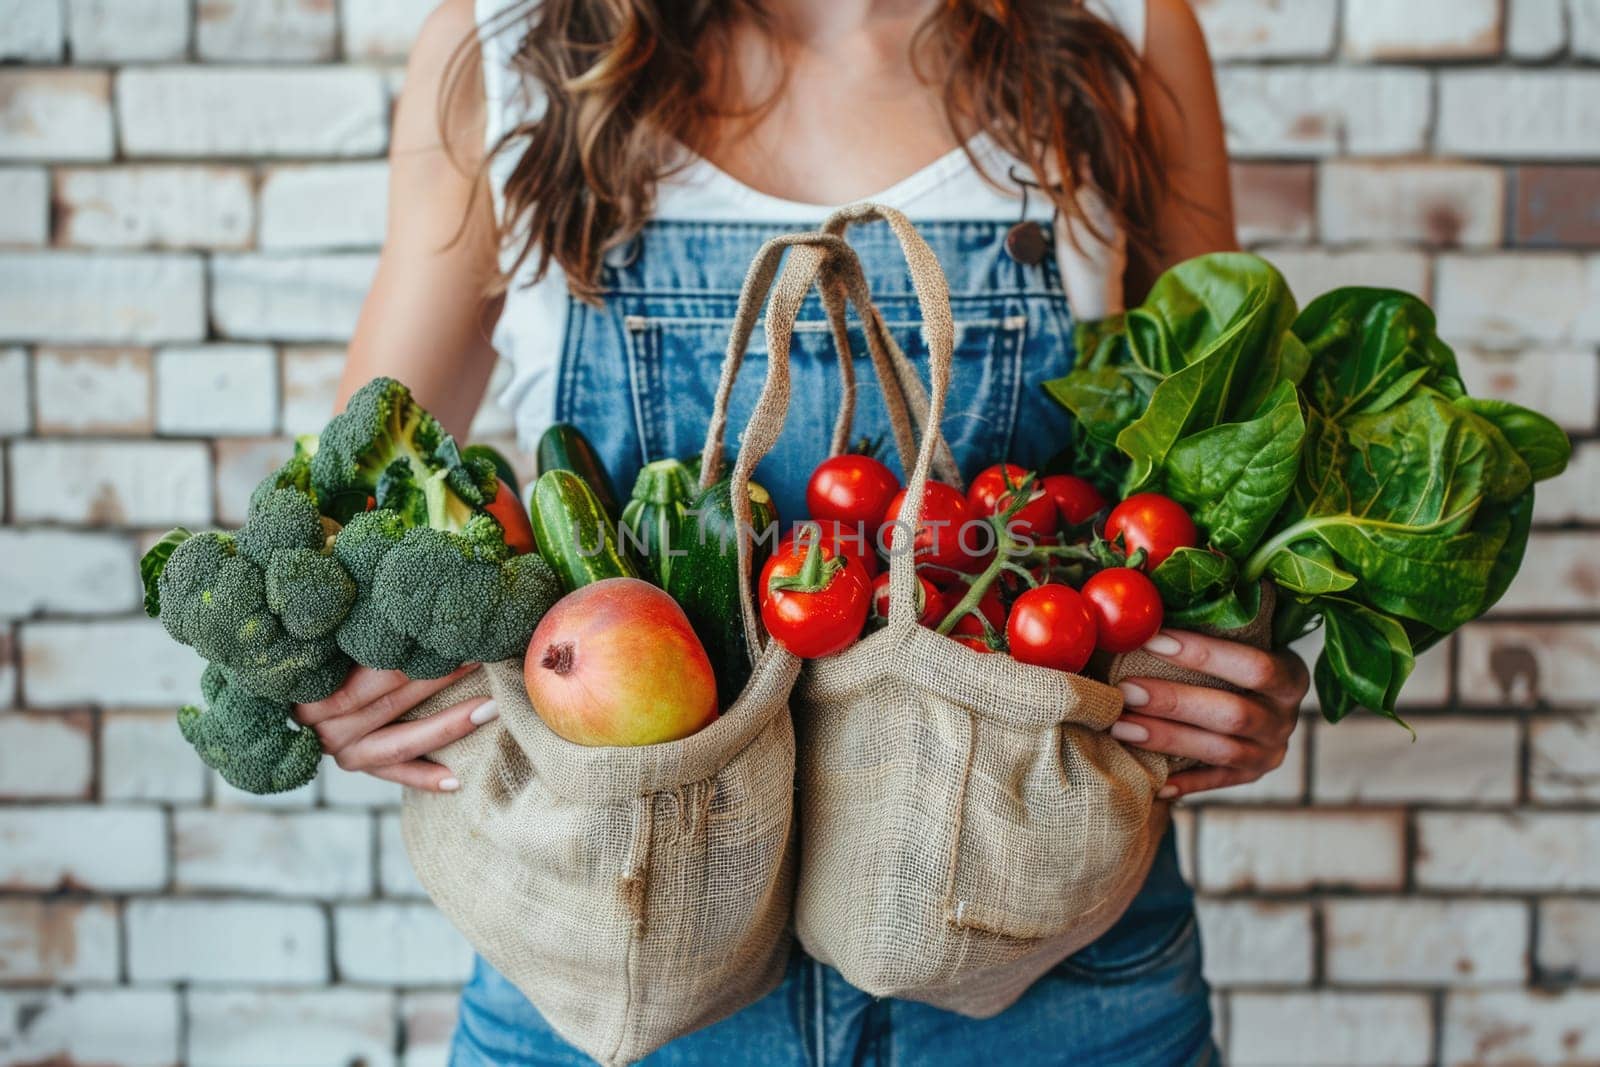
627, 85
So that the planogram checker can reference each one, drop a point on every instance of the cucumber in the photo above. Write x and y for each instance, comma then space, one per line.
564, 448
705, 580
652, 516
573, 533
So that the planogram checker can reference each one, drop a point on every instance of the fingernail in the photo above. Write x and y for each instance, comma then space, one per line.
1131, 732
449, 785
485, 712
1167, 792
1163, 645
1135, 696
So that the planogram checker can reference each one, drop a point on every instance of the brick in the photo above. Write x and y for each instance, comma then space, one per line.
1268, 29
103, 484
1559, 574
154, 207
1440, 204
1287, 783
381, 29
30, 31
98, 849
8, 662
270, 944
1569, 939
1510, 298
55, 114
312, 111
241, 463
64, 571
134, 664
1325, 1027
323, 206
107, 1027
25, 191
1585, 21
1425, 942
15, 419
57, 941
1305, 112
1505, 664
1254, 942
350, 789
1563, 384
1533, 114
46, 756
122, 31
144, 757
310, 387
1312, 272
1575, 496
1454, 760
394, 866
101, 391
1515, 1027
220, 390
1557, 206
266, 30
1523, 850
428, 1023
79, 298
1422, 29
1535, 29
1564, 758
264, 1028
318, 854
1292, 851
1274, 201
292, 298
399, 945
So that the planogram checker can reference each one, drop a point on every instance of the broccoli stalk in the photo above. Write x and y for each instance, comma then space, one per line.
250, 739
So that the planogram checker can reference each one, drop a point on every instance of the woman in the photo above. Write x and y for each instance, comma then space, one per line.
640, 154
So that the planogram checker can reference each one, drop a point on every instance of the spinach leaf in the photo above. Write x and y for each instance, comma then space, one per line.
1191, 575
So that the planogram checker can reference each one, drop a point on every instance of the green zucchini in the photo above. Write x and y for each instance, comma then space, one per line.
650, 519
564, 448
705, 580
573, 533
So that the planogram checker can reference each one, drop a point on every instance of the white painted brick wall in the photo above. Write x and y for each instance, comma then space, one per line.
77, 297
1546, 851
1389, 942
1297, 111
14, 415
285, 1028
1534, 114
46, 755
399, 944
25, 192
1426, 204
1253, 942
1268, 29
1569, 938
122, 31
1289, 851
104, 484
1327, 1028
155, 207
228, 941
1368, 760
55, 114
125, 1027
73, 573
1520, 1027
381, 29
332, 205
292, 297
311, 854
135, 664
252, 30
121, 849
217, 390
49, 941
1427, 29
30, 31
98, 391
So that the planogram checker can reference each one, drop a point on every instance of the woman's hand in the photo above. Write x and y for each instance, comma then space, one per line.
1239, 736
357, 726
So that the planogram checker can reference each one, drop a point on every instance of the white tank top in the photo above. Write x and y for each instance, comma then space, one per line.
533, 321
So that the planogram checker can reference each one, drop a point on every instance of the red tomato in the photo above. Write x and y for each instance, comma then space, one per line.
507, 510
989, 495
1076, 500
836, 536
945, 517
853, 490
819, 618
932, 601
977, 644
1127, 608
1051, 626
1152, 522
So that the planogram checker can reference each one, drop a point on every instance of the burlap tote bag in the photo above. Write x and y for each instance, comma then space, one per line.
632, 894
967, 822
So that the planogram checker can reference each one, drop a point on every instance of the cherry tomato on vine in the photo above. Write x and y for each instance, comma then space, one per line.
990, 495
933, 602
940, 537
977, 644
1051, 626
1127, 608
853, 490
1076, 500
1154, 523
816, 604
840, 539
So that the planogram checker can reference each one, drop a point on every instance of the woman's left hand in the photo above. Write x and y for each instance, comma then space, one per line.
1239, 736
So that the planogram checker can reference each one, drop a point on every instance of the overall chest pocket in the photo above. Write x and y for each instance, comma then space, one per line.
674, 361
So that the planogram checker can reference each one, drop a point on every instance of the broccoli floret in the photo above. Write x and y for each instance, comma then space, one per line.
214, 601
282, 519
251, 740
309, 592
365, 635
294, 474
385, 447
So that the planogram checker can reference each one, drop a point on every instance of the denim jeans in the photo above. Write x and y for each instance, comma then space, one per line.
637, 376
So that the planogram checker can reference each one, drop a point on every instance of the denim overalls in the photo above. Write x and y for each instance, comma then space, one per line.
637, 376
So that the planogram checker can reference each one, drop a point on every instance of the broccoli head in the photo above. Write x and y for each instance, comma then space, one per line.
294, 474
385, 449
365, 634
250, 739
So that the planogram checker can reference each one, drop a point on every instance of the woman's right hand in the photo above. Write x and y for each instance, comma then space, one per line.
357, 726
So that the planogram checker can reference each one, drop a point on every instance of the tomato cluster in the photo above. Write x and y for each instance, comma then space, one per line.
1018, 563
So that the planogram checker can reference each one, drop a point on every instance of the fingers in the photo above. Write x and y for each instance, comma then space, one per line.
1280, 677
403, 742
419, 774
366, 687
1200, 779
1173, 738
1217, 710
